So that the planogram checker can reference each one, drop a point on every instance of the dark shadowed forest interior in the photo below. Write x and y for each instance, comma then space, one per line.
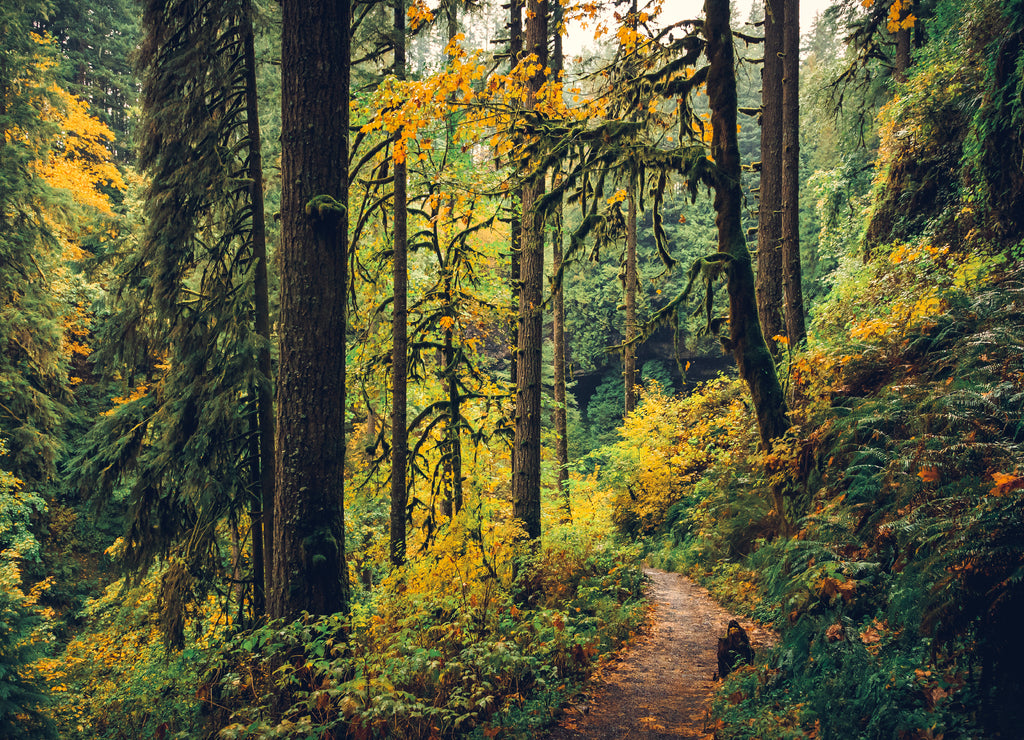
355, 358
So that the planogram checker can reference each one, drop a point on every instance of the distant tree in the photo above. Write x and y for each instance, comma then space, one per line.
792, 274
96, 41
558, 299
769, 221
629, 268
310, 572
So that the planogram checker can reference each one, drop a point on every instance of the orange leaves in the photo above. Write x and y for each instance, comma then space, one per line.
929, 474
897, 21
833, 587
870, 635
617, 197
1005, 483
141, 390
80, 160
871, 328
418, 14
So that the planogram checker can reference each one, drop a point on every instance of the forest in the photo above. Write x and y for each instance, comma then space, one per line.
356, 358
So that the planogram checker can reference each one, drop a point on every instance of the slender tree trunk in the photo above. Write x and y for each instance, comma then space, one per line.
560, 352
558, 308
454, 442
629, 355
745, 338
263, 526
792, 277
526, 450
769, 218
453, 468
310, 571
515, 226
399, 332
260, 579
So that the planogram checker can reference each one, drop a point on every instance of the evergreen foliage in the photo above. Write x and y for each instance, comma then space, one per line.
23, 631
33, 367
181, 334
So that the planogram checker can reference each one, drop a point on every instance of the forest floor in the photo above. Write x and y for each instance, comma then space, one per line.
658, 686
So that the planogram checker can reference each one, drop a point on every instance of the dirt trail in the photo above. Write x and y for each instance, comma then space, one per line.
659, 686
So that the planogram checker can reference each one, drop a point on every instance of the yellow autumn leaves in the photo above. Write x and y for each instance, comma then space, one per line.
896, 20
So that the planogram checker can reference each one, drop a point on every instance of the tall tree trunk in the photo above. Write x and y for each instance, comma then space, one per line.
526, 449
558, 306
264, 527
629, 350
453, 441
260, 577
745, 338
515, 226
796, 329
629, 355
769, 218
310, 572
399, 331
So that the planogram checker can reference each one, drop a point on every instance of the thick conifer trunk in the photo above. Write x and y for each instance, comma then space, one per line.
399, 332
745, 338
769, 218
526, 447
309, 558
792, 276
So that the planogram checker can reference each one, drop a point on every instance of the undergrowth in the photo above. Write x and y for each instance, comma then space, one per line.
481, 655
881, 536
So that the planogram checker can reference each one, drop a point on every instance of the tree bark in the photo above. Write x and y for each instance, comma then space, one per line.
310, 571
399, 332
769, 219
453, 430
796, 329
746, 341
526, 447
515, 222
263, 526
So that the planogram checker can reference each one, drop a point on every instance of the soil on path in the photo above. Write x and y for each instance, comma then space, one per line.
659, 686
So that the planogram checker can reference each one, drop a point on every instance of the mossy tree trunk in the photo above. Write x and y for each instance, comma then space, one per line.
755, 363
399, 331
